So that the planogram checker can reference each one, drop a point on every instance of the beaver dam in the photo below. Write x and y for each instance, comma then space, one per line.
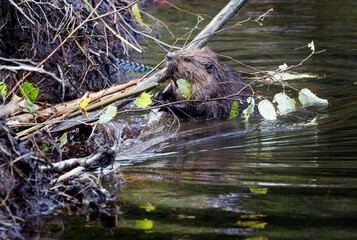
76, 97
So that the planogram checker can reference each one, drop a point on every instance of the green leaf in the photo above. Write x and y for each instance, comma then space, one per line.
3, 91
28, 107
108, 115
249, 110
44, 148
234, 110
285, 103
137, 14
307, 98
144, 100
64, 140
29, 91
184, 87
267, 110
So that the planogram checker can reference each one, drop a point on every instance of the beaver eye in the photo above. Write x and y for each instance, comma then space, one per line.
210, 67
187, 60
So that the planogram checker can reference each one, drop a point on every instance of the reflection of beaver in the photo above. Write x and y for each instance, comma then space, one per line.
209, 79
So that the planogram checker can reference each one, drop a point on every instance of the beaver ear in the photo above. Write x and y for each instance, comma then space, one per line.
210, 67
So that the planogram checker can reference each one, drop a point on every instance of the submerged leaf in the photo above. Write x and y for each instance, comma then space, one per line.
267, 110
143, 100
249, 110
108, 115
285, 103
184, 87
137, 14
234, 110
307, 98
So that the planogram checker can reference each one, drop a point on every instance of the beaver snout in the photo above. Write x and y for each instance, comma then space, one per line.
170, 56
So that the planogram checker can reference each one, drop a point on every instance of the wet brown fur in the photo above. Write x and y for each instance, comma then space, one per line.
209, 79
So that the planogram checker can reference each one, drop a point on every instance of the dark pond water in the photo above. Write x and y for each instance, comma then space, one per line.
256, 180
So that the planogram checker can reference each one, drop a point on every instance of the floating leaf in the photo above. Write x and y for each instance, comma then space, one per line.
283, 67
234, 110
307, 98
311, 46
252, 224
313, 122
259, 190
144, 100
84, 103
3, 91
285, 103
145, 224
108, 115
249, 110
184, 87
285, 76
267, 110
137, 14
29, 91
149, 208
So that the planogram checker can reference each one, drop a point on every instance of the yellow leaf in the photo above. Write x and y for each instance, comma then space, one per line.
137, 14
253, 216
145, 224
252, 224
84, 103
259, 190
148, 208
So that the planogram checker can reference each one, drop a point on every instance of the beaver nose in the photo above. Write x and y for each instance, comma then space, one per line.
169, 56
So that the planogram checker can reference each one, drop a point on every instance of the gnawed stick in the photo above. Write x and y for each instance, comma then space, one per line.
62, 108
203, 37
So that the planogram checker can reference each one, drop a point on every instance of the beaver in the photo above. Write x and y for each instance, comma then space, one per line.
209, 80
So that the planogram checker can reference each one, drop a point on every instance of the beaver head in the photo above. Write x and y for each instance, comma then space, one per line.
213, 84
196, 66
